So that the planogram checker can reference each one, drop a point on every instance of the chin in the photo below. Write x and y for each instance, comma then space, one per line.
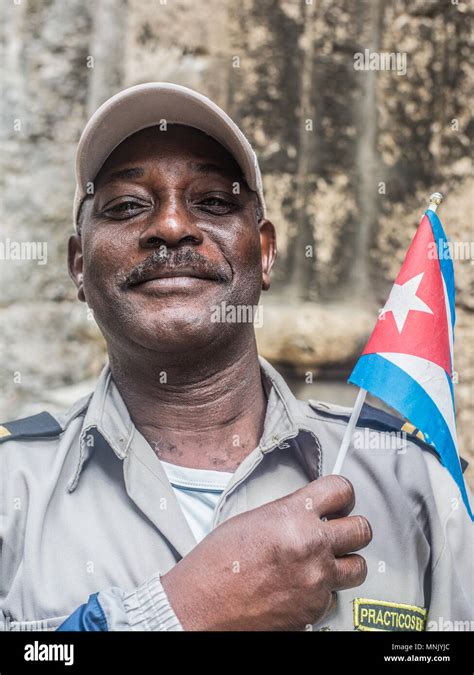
178, 331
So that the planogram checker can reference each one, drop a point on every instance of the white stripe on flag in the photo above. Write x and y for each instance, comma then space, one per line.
449, 318
432, 378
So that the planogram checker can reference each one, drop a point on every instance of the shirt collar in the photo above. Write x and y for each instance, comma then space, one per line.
108, 416
282, 407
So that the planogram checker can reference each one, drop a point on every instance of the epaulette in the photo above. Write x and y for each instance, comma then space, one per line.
380, 420
42, 425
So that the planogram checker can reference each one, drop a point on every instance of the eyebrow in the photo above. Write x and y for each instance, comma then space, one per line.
124, 174
209, 167
199, 167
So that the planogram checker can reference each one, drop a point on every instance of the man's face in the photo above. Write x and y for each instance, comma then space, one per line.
166, 238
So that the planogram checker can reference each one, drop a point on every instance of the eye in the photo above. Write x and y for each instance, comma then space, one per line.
216, 205
125, 209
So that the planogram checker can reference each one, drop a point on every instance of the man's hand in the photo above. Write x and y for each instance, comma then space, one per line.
276, 567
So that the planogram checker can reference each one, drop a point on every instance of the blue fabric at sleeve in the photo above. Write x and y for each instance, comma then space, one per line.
88, 617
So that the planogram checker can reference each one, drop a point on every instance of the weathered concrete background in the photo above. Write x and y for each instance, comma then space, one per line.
349, 158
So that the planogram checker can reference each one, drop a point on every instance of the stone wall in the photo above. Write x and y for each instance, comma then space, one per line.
349, 158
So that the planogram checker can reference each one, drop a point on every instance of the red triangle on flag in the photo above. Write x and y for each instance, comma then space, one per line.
414, 320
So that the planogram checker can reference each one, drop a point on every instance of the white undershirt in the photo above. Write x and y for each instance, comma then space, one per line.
197, 492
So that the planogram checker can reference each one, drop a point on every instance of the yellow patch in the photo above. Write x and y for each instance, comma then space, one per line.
4, 432
410, 429
375, 615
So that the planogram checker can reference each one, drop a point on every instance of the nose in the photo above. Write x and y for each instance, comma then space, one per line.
170, 225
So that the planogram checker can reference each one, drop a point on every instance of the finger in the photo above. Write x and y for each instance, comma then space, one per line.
331, 495
351, 571
349, 534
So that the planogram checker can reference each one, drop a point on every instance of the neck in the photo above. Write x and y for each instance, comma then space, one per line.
205, 413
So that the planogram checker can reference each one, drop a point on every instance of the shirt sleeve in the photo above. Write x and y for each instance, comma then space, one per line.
146, 608
452, 577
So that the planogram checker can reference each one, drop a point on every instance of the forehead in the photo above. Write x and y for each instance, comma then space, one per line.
176, 144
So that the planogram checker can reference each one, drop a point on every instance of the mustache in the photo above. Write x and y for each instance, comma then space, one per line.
174, 260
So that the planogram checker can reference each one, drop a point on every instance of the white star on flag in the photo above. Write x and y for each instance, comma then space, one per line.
403, 299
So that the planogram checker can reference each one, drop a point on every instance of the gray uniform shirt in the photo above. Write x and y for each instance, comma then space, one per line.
88, 509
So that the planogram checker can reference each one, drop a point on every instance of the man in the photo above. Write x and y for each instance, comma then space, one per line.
191, 489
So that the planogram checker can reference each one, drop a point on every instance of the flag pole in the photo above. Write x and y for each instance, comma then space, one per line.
349, 432
435, 200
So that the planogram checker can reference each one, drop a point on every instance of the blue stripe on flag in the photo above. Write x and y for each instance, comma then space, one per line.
400, 391
445, 261
89, 617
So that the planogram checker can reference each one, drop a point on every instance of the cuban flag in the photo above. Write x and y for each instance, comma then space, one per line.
408, 360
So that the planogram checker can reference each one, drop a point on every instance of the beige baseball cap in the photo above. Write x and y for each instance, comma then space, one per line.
145, 105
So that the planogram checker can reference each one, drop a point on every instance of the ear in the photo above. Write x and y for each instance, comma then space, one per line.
75, 261
269, 250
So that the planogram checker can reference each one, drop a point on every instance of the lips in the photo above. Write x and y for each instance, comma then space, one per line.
181, 278
183, 272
